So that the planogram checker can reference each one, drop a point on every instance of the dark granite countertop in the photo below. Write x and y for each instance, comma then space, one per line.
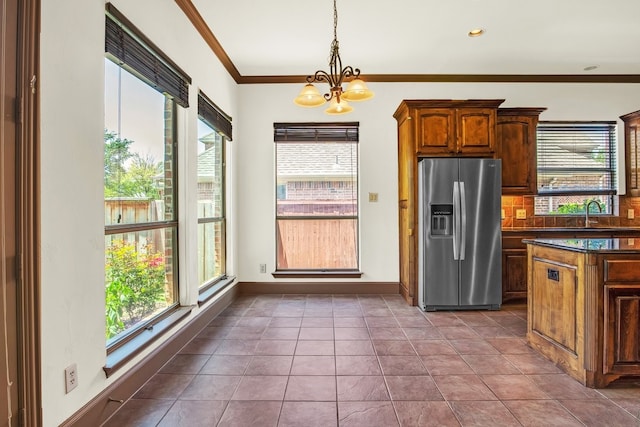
610, 245
541, 230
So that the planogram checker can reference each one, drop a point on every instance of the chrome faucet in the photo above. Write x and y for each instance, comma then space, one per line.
586, 213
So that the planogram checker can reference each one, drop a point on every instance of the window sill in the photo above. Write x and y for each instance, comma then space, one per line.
123, 354
314, 274
214, 289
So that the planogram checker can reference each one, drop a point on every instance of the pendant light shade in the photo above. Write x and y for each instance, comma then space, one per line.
309, 96
338, 106
357, 90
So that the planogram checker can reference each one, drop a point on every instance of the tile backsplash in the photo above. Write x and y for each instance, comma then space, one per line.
512, 204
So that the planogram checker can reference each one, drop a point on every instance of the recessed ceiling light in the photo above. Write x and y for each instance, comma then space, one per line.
590, 67
476, 32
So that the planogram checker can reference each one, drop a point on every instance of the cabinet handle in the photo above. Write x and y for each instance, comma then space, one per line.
553, 274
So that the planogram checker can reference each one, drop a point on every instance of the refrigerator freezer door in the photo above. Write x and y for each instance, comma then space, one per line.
481, 269
439, 270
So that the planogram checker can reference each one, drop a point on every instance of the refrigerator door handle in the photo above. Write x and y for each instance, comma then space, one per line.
456, 220
463, 225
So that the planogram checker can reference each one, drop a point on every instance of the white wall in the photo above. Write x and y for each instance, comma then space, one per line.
262, 105
72, 224
72, 252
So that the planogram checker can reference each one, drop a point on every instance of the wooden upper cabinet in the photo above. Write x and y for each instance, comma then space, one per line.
632, 152
475, 130
436, 131
516, 146
453, 127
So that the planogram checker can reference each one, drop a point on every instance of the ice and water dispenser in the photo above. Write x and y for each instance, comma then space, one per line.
441, 220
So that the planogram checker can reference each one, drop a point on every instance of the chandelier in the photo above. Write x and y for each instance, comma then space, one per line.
356, 89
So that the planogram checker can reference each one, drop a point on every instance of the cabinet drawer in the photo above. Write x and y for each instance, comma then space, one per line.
515, 242
622, 270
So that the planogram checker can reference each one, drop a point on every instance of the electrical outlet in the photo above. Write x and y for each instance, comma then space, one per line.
630, 214
373, 197
521, 214
263, 268
71, 377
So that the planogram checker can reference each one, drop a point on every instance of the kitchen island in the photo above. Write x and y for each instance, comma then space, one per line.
584, 306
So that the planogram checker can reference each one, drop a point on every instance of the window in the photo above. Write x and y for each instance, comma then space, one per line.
141, 92
576, 164
316, 196
214, 128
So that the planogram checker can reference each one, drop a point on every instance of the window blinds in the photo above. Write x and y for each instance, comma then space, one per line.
316, 132
214, 116
135, 52
576, 158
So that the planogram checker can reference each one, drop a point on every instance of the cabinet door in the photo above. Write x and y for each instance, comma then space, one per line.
436, 131
554, 300
514, 274
517, 148
475, 130
406, 252
622, 329
406, 208
632, 152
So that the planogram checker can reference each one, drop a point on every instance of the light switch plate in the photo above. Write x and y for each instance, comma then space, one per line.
630, 214
521, 214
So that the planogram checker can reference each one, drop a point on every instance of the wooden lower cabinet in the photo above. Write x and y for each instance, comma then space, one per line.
514, 256
514, 274
554, 300
584, 312
622, 317
514, 267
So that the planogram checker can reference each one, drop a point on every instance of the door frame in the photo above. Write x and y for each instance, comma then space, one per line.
28, 212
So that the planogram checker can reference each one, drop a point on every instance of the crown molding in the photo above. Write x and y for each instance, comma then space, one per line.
205, 32
203, 29
462, 78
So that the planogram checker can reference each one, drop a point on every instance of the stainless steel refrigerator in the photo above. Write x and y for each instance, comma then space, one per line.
460, 238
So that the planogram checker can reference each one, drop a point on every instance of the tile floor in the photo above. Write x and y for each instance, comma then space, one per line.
367, 360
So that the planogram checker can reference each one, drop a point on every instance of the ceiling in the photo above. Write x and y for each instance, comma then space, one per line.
422, 40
